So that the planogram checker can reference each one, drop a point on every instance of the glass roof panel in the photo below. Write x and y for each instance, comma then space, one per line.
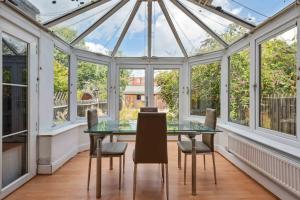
194, 38
164, 43
104, 38
134, 43
71, 28
254, 11
227, 30
49, 10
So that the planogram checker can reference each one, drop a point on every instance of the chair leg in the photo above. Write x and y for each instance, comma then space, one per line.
179, 158
120, 171
184, 171
89, 174
123, 163
162, 173
134, 180
214, 165
204, 162
167, 181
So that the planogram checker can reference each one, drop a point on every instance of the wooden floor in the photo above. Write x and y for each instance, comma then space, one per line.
69, 182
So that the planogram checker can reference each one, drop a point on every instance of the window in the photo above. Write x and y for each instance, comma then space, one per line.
92, 87
61, 86
205, 88
239, 93
14, 109
278, 76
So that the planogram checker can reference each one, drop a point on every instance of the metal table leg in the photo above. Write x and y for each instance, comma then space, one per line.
99, 166
194, 164
111, 158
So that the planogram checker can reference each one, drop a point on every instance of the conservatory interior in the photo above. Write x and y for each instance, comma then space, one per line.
149, 99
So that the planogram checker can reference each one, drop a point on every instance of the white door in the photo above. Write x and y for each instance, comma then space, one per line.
18, 107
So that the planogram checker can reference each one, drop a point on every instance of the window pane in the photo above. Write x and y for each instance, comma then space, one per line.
132, 93
166, 92
61, 86
205, 88
239, 94
91, 88
14, 108
278, 76
14, 157
14, 60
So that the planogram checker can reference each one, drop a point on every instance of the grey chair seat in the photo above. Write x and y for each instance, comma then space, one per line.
186, 147
112, 149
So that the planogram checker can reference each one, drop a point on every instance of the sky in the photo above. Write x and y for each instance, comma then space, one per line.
104, 38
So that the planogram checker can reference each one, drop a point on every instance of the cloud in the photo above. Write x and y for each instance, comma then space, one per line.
98, 48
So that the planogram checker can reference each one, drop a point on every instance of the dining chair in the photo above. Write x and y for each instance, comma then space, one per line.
151, 143
148, 109
111, 149
206, 146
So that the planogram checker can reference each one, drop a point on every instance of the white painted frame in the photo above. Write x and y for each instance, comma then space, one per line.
259, 41
228, 88
32, 42
109, 75
188, 92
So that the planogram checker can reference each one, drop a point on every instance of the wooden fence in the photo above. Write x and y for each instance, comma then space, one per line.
278, 113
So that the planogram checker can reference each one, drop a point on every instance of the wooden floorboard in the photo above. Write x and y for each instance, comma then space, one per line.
69, 182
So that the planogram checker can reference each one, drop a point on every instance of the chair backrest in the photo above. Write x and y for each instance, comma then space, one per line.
210, 121
151, 138
148, 109
92, 119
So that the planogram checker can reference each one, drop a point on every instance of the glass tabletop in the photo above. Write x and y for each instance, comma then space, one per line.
129, 128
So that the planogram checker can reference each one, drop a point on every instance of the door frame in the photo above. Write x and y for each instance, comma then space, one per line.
32, 42
149, 81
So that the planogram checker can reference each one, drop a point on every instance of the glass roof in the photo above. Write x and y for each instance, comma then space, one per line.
179, 28
254, 11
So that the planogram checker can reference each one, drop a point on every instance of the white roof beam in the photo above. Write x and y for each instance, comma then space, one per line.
170, 22
199, 22
99, 21
74, 13
126, 27
224, 14
149, 28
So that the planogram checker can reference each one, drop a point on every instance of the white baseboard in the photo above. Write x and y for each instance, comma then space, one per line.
273, 187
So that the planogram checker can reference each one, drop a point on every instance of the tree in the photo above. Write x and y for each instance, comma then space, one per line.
168, 82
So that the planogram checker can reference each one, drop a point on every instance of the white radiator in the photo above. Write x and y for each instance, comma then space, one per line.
283, 170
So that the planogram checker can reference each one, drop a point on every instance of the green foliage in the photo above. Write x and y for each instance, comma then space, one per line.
205, 88
168, 81
61, 71
239, 94
278, 68
92, 78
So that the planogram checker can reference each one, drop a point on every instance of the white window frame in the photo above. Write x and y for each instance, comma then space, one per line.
68, 121
189, 78
98, 62
277, 136
32, 104
244, 127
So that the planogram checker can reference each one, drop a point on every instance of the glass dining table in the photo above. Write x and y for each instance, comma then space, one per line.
111, 127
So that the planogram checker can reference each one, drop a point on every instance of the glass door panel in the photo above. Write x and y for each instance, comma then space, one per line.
14, 109
166, 92
132, 93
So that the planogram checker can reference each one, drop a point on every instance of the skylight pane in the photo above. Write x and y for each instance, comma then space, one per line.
164, 43
134, 43
49, 10
71, 28
254, 11
104, 38
227, 30
194, 38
